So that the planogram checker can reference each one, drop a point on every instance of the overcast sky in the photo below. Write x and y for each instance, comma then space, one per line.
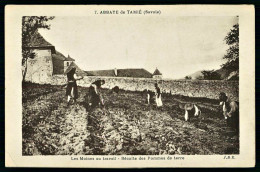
178, 46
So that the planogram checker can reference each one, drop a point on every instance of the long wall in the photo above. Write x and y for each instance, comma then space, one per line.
192, 88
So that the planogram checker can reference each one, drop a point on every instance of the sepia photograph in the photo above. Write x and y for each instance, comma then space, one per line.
116, 84
88, 90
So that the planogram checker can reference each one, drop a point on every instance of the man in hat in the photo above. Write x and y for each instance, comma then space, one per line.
72, 88
230, 111
95, 93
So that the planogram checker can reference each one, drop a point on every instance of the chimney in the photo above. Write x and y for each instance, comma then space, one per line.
115, 70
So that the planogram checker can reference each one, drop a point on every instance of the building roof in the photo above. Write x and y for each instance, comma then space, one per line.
101, 73
59, 56
58, 63
157, 72
135, 73
69, 58
78, 70
37, 41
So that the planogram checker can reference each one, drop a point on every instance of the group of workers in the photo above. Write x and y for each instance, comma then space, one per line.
94, 97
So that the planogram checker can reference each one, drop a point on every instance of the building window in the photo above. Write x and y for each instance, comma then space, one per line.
68, 63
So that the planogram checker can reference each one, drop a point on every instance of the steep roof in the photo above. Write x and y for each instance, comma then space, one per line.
78, 70
101, 73
59, 56
58, 63
157, 72
135, 73
69, 58
37, 41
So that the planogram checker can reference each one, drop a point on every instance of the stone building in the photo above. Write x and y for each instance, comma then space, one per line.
157, 74
67, 62
47, 61
61, 63
39, 68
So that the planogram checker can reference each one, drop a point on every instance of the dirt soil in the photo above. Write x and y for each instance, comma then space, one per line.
125, 126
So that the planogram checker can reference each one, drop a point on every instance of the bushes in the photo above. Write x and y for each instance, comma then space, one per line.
211, 75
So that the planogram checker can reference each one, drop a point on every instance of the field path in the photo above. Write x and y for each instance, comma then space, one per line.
55, 127
74, 132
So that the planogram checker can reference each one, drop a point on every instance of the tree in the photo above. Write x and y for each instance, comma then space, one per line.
187, 77
200, 77
211, 75
232, 54
30, 25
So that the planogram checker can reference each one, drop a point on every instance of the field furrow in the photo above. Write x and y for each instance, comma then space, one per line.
125, 126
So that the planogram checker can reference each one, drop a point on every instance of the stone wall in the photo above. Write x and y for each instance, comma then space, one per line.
40, 68
191, 88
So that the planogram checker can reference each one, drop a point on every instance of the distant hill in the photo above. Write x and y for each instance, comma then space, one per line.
224, 74
195, 75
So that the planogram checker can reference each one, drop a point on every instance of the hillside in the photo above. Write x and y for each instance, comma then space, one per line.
195, 75
223, 73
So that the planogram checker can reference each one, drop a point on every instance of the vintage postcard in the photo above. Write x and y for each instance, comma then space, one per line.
106, 86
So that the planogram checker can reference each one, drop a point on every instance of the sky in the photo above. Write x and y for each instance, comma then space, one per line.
177, 46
